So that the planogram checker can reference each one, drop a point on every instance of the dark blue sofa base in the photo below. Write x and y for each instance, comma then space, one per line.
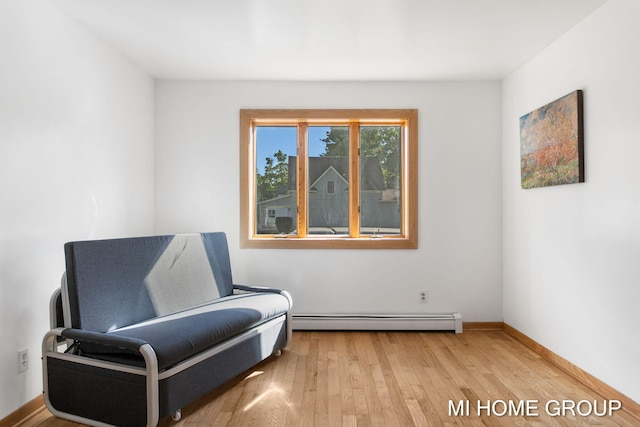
73, 384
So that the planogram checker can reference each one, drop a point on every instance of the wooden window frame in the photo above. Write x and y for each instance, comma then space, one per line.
406, 118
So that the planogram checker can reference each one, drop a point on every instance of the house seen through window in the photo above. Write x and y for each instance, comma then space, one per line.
342, 181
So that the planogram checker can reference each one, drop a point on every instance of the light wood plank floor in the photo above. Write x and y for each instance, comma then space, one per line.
390, 379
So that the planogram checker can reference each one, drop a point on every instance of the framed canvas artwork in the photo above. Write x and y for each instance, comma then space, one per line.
552, 143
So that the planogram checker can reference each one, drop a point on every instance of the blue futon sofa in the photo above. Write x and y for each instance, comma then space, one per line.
143, 326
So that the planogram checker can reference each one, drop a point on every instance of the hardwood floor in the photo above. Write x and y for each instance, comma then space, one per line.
396, 379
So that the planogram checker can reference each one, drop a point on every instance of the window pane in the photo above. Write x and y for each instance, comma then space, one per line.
276, 150
328, 172
380, 174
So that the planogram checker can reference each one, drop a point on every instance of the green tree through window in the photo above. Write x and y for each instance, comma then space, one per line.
273, 180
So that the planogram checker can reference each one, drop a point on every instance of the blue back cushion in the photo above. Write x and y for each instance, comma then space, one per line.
119, 282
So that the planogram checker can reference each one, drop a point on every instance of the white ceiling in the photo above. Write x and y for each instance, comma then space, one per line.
329, 39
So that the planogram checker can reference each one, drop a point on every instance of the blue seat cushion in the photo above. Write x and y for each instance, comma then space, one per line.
178, 336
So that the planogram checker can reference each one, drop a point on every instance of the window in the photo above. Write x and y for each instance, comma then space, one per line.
328, 178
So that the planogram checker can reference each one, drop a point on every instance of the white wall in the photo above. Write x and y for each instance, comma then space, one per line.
459, 260
572, 252
76, 162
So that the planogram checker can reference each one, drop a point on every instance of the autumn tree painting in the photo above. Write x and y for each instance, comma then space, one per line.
551, 143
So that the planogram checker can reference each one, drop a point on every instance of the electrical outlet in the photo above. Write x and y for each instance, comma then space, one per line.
23, 360
424, 297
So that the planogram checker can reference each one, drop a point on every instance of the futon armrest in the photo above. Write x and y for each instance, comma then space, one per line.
131, 344
244, 288
256, 289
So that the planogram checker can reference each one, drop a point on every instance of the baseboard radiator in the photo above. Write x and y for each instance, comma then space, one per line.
379, 322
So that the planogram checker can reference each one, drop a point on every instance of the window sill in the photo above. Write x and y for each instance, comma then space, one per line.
323, 242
